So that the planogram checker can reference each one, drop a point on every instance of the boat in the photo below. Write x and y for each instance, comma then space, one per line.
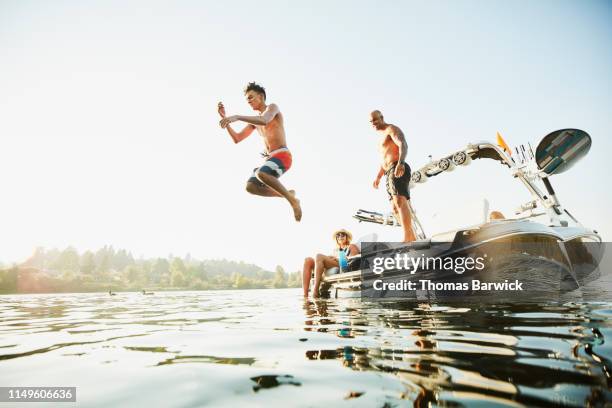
560, 253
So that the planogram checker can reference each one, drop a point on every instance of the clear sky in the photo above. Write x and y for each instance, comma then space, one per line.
109, 132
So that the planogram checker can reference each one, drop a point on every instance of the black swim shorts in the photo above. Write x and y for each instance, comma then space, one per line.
398, 186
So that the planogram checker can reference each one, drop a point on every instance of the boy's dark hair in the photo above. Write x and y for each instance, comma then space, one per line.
253, 86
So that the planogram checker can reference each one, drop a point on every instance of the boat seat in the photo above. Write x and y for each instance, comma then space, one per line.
332, 271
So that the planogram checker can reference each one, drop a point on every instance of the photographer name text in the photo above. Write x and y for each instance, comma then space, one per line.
423, 284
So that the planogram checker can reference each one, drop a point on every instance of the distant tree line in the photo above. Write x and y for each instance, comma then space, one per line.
109, 269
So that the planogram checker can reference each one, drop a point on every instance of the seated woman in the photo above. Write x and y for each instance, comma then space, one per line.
323, 262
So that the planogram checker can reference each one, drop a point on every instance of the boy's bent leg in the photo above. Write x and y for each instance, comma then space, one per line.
401, 203
273, 183
256, 187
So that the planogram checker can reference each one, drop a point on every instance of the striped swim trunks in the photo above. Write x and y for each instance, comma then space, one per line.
277, 163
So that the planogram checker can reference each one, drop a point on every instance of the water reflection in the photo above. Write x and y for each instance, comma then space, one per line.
268, 348
271, 381
528, 353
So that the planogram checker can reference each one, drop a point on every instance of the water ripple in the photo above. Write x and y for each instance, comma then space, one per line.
230, 348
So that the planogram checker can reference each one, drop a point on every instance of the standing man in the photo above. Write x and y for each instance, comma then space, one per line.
269, 123
393, 148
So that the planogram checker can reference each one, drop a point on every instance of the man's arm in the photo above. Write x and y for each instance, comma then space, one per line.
262, 120
381, 172
398, 138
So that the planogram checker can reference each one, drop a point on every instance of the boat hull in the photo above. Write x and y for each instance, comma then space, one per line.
545, 259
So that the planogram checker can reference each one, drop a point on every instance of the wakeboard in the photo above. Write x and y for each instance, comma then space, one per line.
376, 218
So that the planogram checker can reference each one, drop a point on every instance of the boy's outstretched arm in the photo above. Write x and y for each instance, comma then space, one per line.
262, 120
237, 137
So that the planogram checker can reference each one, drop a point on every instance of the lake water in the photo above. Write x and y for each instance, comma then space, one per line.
271, 348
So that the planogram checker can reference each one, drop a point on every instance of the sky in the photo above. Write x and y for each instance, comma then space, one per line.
109, 133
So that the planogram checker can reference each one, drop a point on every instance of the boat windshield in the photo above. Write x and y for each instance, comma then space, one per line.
560, 150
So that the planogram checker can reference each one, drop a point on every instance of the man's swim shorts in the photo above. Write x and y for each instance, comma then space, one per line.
398, 186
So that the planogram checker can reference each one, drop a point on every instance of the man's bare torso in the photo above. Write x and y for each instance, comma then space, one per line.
273, 133
390, 151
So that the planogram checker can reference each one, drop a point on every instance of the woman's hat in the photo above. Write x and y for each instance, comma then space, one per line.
349, 236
